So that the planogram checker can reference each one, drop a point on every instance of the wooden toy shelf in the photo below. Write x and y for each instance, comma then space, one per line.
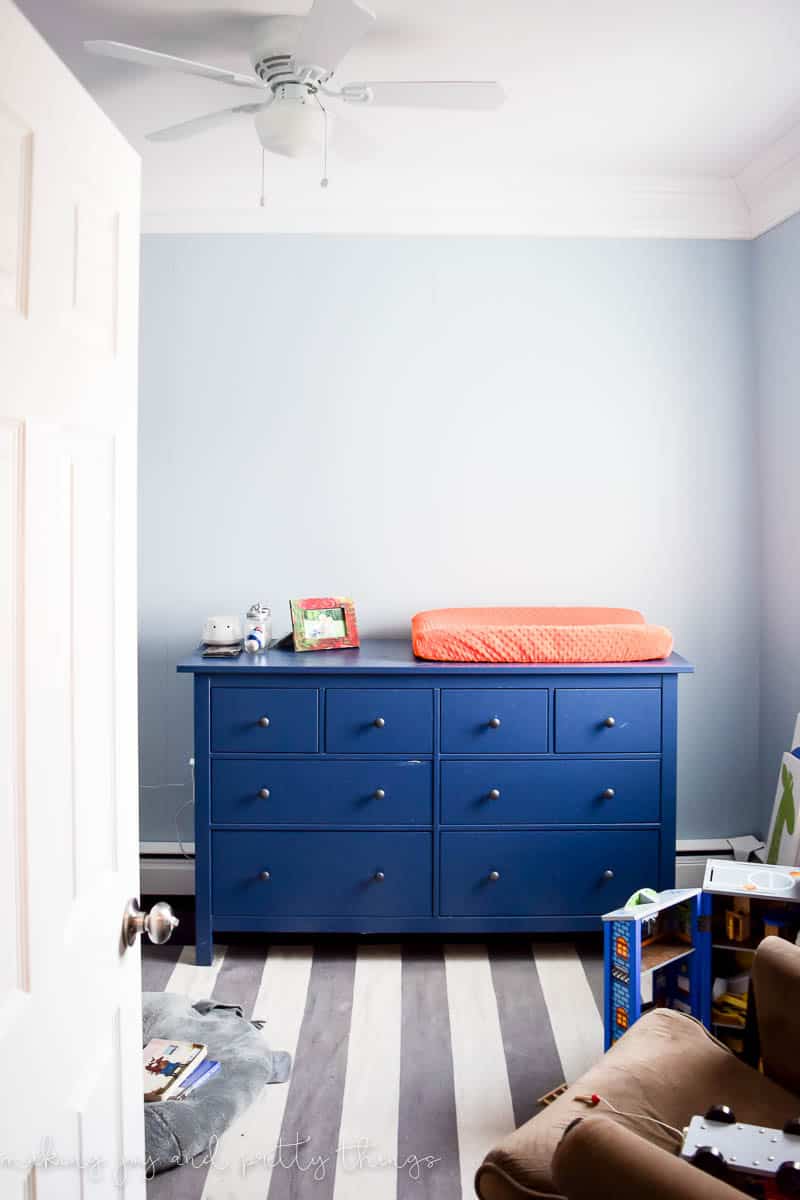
653, 944
662, 953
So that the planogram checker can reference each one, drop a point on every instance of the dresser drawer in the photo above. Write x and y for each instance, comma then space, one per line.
277, 792
608, 720
379, 721
494, 721
321, 874
543, 872
264, 720
545, 792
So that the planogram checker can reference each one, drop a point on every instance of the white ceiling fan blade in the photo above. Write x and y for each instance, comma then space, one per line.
153, 58
185, 129
328, 32
463, 94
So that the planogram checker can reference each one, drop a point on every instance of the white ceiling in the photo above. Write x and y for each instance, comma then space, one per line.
623, 116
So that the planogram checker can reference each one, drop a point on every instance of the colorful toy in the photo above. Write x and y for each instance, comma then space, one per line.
761, 1162
776, 924
257, 628
654, 943
737, 920
671, 948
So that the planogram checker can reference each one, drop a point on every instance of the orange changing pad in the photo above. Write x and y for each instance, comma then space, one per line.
557, 635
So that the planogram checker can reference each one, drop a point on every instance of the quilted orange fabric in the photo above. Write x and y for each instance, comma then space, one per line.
557, 635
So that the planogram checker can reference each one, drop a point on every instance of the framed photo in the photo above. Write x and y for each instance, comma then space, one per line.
324, 623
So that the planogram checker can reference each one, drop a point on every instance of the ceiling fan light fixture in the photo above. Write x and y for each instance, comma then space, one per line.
291, 125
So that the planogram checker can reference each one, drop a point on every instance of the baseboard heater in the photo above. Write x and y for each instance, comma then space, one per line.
691, 856
166, 871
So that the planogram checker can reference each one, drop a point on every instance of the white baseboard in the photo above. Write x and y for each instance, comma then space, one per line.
178, 849
166, 875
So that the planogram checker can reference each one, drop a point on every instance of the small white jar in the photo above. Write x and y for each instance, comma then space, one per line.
257, 628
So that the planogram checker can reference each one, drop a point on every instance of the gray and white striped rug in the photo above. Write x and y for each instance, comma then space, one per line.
410, 1060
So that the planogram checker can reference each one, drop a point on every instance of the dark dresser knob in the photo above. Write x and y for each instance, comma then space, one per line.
608, 793
263, 722
610, 722
379, 722
264, 793
494, 794
494, 723
379, 876
608, 874
379, 794
264, 876
494, 876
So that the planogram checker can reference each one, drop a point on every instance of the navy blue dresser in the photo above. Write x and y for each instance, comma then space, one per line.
367, 791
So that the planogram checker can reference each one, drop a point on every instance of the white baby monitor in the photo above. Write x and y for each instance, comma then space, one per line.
222, 631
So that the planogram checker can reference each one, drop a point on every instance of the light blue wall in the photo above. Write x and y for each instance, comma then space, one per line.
431, 421
777, 313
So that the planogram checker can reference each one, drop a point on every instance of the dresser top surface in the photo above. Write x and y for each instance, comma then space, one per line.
394, 656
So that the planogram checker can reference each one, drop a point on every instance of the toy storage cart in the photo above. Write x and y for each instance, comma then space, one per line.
695, 942
661, 951
744, 902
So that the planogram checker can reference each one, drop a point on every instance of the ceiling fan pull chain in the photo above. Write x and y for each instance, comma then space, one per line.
261, 200
323, 183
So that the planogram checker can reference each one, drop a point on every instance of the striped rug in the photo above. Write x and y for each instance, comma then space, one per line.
410, 1060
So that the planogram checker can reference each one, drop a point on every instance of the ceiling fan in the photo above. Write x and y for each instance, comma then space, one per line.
294, 60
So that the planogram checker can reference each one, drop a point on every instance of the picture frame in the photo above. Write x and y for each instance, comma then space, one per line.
324, 623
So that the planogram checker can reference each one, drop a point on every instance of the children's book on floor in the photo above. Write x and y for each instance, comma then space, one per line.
168, 1066
200, 1075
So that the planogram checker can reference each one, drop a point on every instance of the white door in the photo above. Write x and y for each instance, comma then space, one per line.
70, 1041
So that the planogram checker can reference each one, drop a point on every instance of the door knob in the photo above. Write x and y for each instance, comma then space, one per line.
263, 793
494, 876
494, 722
609, 874
610, 722
494, 794
379, 723
608, 793
379, 876
264, 722
379, 794
158, 923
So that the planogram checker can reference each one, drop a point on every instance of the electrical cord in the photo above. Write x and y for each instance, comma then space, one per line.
594, 1100
186, 804
161, 787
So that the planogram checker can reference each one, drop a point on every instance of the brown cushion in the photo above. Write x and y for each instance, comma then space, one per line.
776, 982
666, 1066
599, 1160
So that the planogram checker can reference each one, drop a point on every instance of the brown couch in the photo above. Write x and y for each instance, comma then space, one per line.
669, 1067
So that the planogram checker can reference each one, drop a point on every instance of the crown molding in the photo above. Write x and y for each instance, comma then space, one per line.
585, 206
770, 184
760, 197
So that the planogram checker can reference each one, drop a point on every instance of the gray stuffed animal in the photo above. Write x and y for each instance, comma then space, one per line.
178, 1130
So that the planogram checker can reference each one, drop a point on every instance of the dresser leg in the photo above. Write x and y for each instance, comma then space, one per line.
204, 945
